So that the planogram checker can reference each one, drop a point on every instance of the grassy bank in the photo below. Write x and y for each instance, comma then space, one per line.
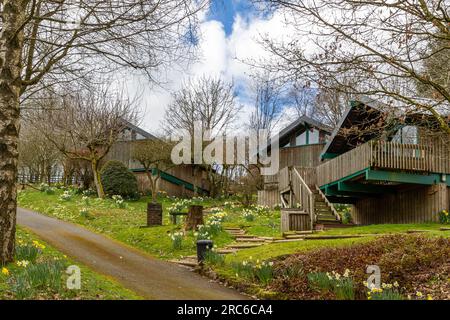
39, 272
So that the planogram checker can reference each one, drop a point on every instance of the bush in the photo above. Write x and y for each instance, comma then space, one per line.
118, 180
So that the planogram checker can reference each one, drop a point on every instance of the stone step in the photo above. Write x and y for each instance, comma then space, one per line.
288, 240
247, 236
186, 262
304, 232
417, 231
243, 245
250, 240
295, 236
231, 229
226, 251
444, 229
342, 236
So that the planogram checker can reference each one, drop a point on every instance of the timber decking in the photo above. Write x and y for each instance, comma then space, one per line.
386, 155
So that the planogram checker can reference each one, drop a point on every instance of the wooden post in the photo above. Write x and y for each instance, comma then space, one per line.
154, 214
194, 217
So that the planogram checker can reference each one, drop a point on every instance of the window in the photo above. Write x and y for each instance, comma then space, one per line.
407, 134
310, 136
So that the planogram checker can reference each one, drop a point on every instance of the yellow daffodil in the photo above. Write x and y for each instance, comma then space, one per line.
5, 271
419, 294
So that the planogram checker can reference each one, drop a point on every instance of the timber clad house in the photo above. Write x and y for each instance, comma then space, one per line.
388, 171
177, 181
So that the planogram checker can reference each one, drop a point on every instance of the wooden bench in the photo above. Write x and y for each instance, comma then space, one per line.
174, 215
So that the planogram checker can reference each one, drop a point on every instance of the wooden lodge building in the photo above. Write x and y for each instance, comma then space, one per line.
388, 171
177, 181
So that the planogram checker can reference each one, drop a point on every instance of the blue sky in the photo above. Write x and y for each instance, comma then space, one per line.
225, 11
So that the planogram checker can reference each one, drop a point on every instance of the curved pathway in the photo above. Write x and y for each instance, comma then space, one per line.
147, 276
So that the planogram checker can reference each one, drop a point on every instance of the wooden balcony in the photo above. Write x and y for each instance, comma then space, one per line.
377, 154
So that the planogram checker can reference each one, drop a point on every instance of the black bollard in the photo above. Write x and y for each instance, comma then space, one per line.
202, 247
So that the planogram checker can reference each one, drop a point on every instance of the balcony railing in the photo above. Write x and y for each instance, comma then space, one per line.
386, 155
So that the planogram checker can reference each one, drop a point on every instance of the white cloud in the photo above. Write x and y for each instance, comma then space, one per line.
218, 54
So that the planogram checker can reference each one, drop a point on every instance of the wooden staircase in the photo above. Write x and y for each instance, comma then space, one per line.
308, 199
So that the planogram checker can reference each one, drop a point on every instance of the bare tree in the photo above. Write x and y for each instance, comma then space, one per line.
85, 126
154, 156
268, 105
38, 156
382, 45
44, 42
208, 100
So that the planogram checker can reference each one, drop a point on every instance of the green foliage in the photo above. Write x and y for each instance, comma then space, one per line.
259, 271
213, 258
27, 252
177, 240
444, 217
40, 276
341, 285
118, 180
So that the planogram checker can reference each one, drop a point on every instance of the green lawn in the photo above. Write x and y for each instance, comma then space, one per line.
127, 224
93, 285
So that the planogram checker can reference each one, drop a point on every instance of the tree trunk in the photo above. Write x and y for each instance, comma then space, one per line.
11, 44
194, 218
97, 179
153, 184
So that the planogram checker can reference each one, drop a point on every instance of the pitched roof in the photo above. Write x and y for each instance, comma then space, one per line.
139, 130
302, 121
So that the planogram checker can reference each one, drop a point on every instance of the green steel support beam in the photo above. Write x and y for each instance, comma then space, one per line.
329, 155
330, 191
402, 177
363, 188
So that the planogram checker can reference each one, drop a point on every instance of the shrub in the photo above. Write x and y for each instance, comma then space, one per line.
118, 180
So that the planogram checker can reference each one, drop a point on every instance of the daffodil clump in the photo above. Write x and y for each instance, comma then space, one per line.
420, 296
177, 240
387, 291
66, 196
179, 206
84, 212
85, 200
248, 215
259, 209
46, 188
341, 285
118, 201
32, 273
444, 217
203, 232
254, 270
213, 258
